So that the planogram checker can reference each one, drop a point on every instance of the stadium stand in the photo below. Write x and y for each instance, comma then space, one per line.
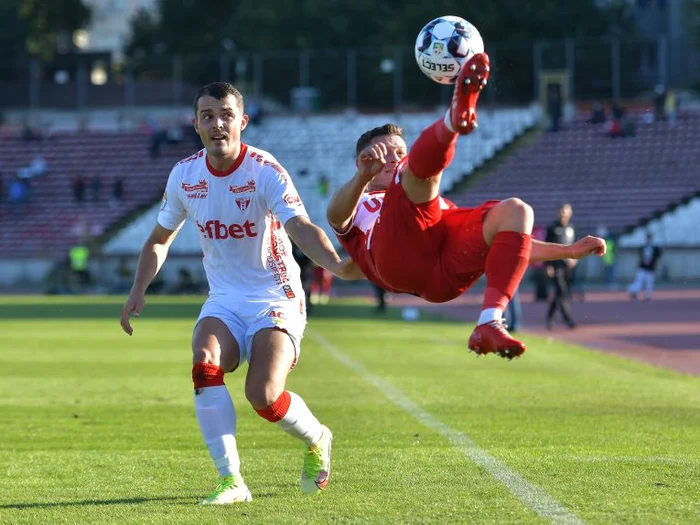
678, 227
51, 220
325, 144
620, 183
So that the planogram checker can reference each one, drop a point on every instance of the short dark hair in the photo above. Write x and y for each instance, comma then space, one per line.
219, 90
367, 136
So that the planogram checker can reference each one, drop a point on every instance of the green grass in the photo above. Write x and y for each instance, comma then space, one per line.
98, 427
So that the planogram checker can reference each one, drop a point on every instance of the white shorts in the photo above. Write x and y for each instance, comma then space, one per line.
246, 318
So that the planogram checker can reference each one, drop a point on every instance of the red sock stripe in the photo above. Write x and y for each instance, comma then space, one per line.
276, 410
206, 374
506, 263
433, 151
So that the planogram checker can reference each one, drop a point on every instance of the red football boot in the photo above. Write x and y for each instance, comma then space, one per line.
493, 338
470, 82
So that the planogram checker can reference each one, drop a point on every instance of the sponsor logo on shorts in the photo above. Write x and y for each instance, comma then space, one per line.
288, 292
277, 316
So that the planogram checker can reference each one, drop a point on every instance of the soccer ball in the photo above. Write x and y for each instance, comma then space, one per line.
444, 45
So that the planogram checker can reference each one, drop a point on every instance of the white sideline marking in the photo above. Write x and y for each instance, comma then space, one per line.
531, 495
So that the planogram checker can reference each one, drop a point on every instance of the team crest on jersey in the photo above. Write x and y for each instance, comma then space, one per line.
196, 191
248, 187
243, 203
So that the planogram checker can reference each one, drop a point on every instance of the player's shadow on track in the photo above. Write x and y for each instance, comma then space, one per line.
91, 502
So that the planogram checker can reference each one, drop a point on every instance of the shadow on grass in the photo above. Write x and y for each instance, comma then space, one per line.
89, 502
190, 310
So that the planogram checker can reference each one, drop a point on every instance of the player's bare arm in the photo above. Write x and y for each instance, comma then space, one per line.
549, 251
341, 208
153, 255
314, 242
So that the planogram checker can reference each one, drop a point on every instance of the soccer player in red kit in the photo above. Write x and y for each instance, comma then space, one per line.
404, 237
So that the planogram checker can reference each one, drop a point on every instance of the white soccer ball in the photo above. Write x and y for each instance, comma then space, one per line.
444, 45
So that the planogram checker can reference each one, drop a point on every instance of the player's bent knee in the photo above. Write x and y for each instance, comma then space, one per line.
517, 212
275, 411
206, 355
262, 396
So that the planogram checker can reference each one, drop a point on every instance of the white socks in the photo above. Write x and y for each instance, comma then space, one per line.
448, 121
217, 421
300, 422
490, 314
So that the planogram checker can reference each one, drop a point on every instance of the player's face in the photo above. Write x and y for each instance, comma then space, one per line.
219, 124
565, 213
396, 150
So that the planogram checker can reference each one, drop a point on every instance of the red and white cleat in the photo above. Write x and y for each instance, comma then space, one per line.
493, 338
470, 82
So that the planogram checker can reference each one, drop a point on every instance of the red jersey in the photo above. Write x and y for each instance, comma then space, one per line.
357, 241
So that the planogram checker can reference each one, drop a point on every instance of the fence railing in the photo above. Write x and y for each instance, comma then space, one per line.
366, 78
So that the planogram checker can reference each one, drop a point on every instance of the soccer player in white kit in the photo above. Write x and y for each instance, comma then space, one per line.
246, 208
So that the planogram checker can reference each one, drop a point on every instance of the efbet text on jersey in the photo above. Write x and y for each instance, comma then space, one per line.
219, 231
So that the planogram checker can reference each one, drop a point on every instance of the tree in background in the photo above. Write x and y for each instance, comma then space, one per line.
691, 20
51, 24
199, 31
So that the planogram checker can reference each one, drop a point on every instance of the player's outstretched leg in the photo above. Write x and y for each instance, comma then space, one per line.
434, 149
507, 229
471, 80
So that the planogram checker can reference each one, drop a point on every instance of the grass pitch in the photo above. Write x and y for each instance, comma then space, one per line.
98, 427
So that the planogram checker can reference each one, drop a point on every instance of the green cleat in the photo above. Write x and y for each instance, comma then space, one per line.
317, 464
231, 489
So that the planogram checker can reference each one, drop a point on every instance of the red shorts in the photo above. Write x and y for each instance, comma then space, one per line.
427, 251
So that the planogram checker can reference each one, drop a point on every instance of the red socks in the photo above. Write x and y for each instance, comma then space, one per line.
277, 410
206, 374
506, 263
433, 151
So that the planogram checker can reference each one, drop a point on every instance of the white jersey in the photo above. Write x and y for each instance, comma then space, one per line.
240, 214
367, 212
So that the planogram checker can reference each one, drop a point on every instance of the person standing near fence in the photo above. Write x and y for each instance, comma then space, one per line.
649, 256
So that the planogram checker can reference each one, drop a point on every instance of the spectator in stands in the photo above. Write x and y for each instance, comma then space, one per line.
255, 112
381, 295
185, 284
174, 135
36, 168
79, 257
78, 185
96, 186
324, 186
18, 195
671, 107
513, 314
598, 113
659, 102
649, 256
29, 133
555, 106
124, 273
321, 286
561, 232
609, 258
117, 191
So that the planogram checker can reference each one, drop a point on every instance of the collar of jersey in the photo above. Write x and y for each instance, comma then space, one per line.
234, 167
